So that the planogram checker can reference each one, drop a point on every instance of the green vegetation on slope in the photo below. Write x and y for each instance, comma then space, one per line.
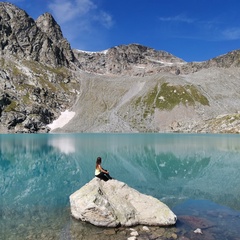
166, 97
163, 96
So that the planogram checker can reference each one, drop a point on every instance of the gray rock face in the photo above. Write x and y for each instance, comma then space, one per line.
21, 36
35, 77
113, 203
63, 51
133, 59
138, 60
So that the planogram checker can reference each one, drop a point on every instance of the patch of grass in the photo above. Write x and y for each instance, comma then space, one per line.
166, 97
26, 99
61, 72
44, 72
149, 99
197, 96
34, 66
24, 86
172, 95
2, 62
16, 71
64, 87
39, 68
11, 107
46, 84
229, 118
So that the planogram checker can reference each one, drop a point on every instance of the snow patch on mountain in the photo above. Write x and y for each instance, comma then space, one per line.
63, 119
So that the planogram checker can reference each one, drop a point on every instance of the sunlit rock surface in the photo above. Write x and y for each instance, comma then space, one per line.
114, 203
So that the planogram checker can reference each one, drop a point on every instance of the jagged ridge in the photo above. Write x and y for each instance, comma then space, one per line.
40, 41
117, 90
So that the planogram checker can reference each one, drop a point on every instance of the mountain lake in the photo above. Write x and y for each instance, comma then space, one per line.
196, 175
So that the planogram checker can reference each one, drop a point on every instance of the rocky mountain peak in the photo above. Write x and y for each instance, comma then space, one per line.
48, 25
17, 30
145, 53
22, 37
11, 11
133, 59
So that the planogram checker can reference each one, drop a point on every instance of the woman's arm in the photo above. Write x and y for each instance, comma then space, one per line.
102, 170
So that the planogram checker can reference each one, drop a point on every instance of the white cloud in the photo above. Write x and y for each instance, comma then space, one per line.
210, 30
231, 34
79, 10
66, 10
105, 19
82, 21
178, 18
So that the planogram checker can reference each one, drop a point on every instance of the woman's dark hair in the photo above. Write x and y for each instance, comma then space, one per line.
98, 162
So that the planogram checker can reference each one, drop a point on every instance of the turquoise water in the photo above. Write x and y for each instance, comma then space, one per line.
195, 175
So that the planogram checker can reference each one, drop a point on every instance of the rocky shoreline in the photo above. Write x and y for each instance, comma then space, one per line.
205, 221
134, 233
200, 224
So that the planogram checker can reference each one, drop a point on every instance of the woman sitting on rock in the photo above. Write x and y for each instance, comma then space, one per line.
100, 172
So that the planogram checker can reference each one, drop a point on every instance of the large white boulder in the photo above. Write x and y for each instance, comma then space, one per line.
114, 203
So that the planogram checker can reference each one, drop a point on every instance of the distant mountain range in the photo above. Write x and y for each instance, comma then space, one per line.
127, 88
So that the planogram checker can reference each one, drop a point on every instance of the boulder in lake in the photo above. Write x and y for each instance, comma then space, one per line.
114, 203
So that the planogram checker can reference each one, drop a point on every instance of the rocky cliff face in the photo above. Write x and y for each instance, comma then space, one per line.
127, 88
133, 60
35, 80
40, 41
138, 60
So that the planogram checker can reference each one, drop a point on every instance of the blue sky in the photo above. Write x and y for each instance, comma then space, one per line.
194, 30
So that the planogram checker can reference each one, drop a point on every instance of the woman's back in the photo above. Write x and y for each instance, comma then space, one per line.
97, 170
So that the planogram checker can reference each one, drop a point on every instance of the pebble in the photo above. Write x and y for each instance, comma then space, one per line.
132, 238
134, 233
146, 229
198, 230
174, 236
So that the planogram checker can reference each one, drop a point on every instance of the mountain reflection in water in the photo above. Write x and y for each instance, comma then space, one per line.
38, 172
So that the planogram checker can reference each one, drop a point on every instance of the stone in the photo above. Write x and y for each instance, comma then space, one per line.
146, 229
114, 203
134, 233
132, 238
198, 230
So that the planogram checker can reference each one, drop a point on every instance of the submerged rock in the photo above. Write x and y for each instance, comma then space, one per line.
114, 203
